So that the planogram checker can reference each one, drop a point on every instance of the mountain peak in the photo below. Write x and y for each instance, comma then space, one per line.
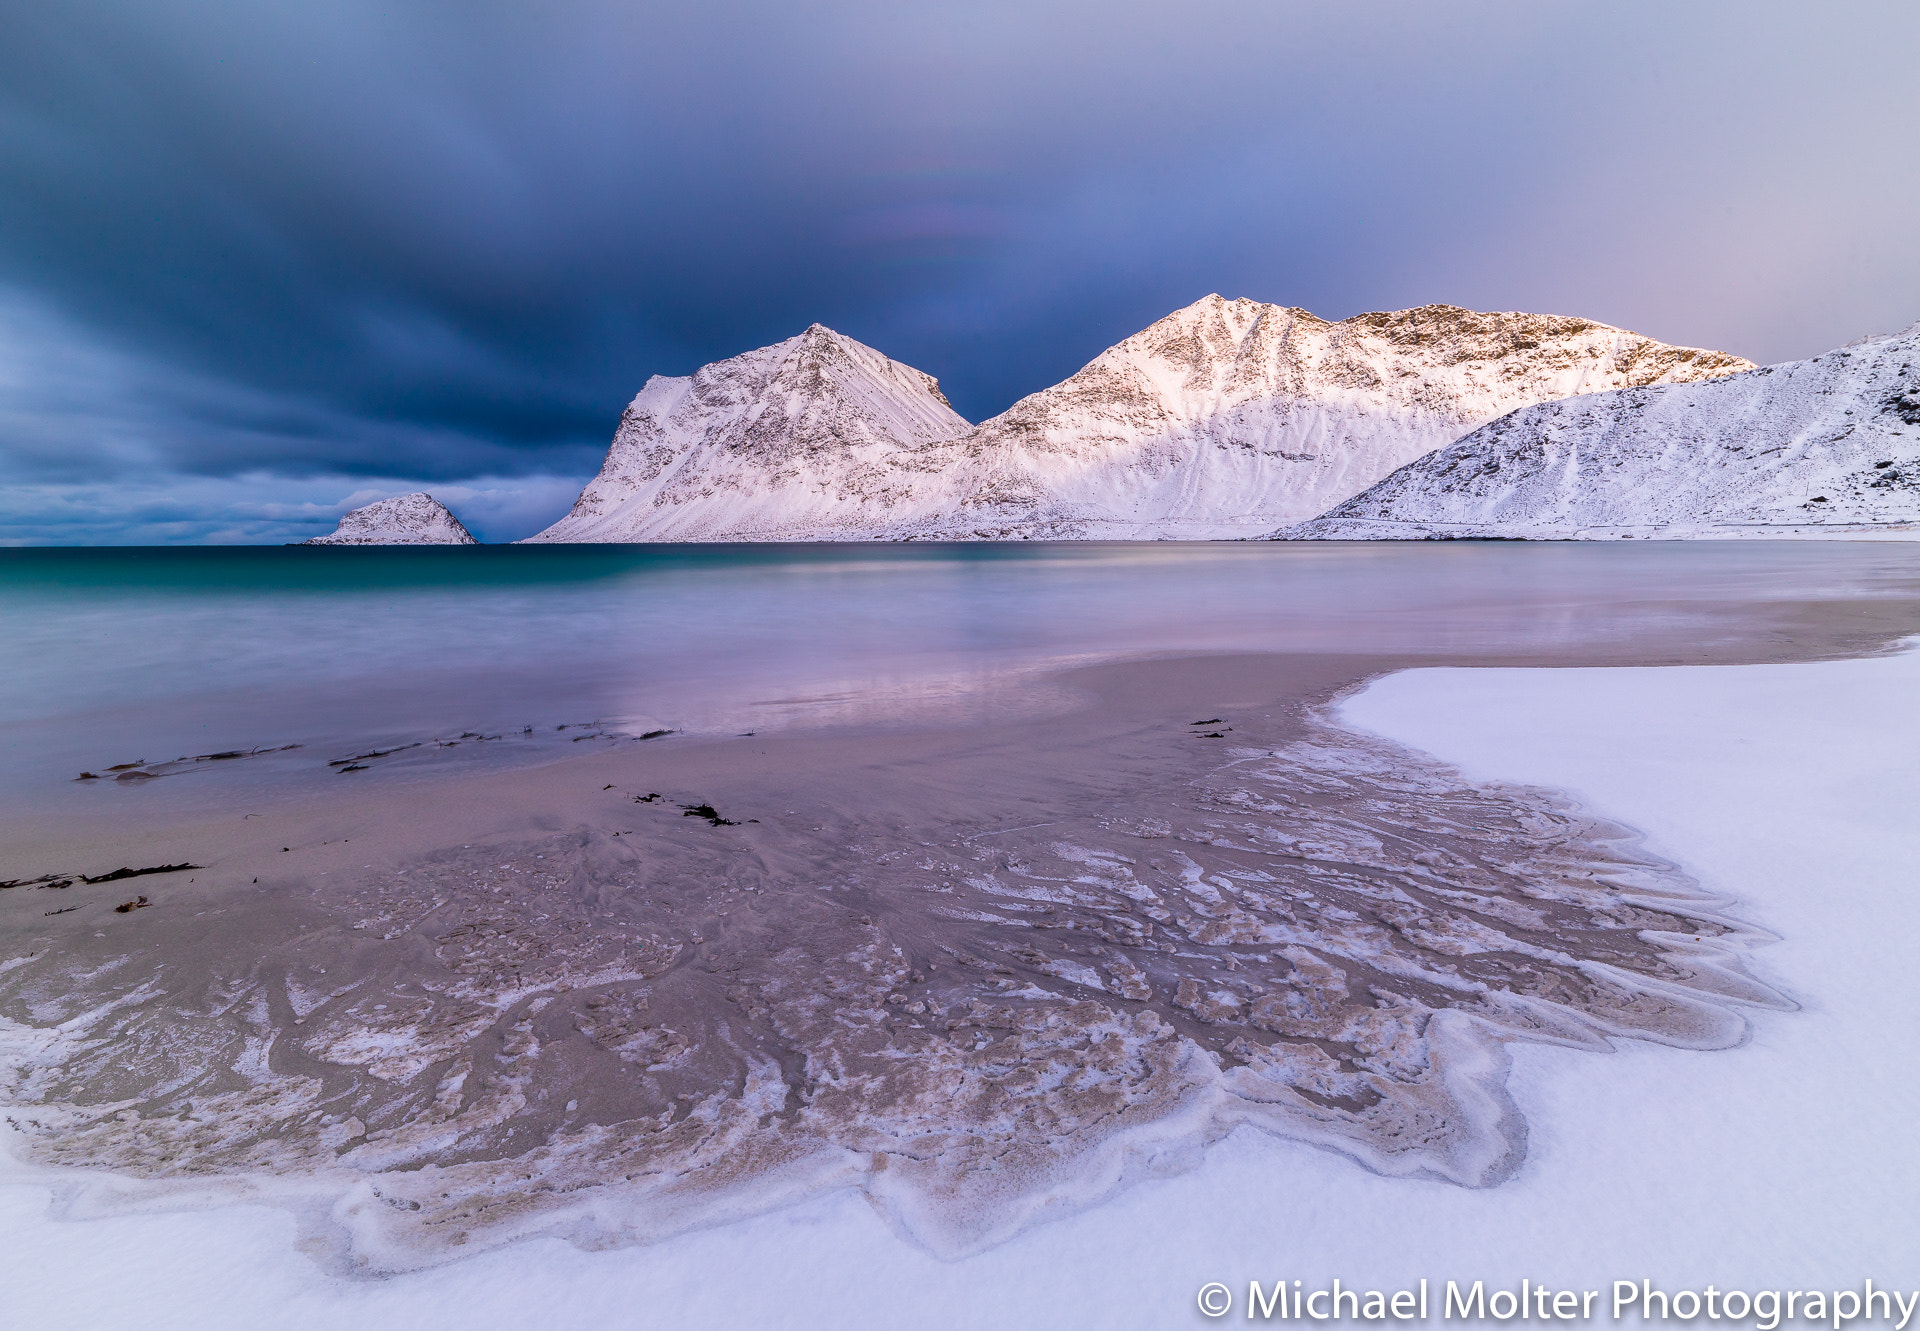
733, 448
820, 333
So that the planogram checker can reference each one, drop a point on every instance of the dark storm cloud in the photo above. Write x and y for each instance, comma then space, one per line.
449, 241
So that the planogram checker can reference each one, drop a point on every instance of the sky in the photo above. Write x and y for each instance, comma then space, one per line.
262, 263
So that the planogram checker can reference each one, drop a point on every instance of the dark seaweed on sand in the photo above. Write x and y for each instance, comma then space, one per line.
143, 771
712, 815
118, 874
48, 880
374, 753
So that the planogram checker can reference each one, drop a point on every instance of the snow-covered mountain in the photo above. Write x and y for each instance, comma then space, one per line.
1230, 416
415, 519
1224, 419
1820, 447
809, 439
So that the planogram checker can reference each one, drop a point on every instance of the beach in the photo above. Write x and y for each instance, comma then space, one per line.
992, 986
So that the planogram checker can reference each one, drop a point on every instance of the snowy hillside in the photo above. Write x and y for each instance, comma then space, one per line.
1820, 447
1227, 418
415, 519
1224, 419
800, 440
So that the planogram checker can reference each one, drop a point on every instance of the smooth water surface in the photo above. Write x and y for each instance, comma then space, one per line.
117, 656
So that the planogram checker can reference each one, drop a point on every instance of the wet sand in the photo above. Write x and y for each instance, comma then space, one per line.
985, 975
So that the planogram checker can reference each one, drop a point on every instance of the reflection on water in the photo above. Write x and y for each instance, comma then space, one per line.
113, 656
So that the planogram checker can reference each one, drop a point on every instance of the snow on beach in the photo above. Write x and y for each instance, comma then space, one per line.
1781, 1164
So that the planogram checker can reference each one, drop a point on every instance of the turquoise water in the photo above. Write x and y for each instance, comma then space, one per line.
116, 656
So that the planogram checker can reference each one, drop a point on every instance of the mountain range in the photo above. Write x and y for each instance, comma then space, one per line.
1236, 419
1228, 418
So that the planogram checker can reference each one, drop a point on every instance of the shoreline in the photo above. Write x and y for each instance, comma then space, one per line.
1743, 632
838, 808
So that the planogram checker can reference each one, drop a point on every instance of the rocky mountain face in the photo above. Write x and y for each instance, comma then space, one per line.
809, 439
1225, 419
1827, 446
415, 519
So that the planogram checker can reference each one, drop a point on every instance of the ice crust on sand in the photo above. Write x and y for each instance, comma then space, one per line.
1334, 939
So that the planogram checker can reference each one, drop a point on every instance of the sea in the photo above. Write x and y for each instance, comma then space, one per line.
301, 659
